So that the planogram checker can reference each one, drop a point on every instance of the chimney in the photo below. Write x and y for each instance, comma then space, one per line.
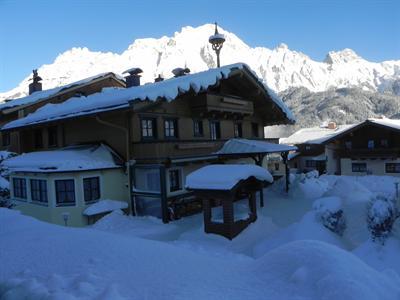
332, 125
180, 72
159, 78
133, 79
36, 85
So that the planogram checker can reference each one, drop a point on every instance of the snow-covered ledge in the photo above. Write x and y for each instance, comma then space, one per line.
104, 206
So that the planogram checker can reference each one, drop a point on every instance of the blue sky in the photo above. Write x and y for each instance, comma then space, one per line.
34, 32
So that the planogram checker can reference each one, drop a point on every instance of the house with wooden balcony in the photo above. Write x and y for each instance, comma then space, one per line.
371, 147
13, 109
163, 131
311, 151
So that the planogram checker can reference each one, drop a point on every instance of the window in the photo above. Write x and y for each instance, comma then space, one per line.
171, 128
348, 145
215, 130
198, 128
311, 163
384, 143
38, 138
91, 189
276, 166
147, 179
52, 133
65, 192
39, 190
359, 167
237, 128
392, 168
371, 144
149, 128
254, 129
5, 138
174, 180
19, 185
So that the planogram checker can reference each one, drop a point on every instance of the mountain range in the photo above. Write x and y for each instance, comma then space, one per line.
309, 87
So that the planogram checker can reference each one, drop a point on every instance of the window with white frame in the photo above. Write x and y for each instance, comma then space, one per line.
215, 130
392, 168
91, 189
39, 190
171, 128
175, 181
65, 192
19, 188
359, 167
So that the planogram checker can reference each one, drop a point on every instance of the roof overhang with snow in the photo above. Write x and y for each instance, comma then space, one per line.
244, 146
70, 159
390, 124
167, 90
225, 177
40, 96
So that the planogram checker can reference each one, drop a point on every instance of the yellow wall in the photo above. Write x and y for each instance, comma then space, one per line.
112, 186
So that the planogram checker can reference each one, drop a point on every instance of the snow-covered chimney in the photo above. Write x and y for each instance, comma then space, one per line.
159, 78
332, 125
36, 85
133, 79
180, 72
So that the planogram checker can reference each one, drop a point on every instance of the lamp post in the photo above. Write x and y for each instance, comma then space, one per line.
217, 40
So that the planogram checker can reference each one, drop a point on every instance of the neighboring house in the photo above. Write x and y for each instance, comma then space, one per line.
162, 130
57, 186
14, 109
370, 147
311, 153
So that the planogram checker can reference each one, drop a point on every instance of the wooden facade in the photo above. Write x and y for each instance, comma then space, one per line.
14, 143
163, 141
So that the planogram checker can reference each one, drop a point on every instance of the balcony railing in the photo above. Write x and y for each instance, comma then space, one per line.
370, 153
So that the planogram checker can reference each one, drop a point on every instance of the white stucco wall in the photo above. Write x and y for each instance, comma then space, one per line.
374, 167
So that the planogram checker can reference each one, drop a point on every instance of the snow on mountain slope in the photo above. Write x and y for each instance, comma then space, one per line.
280, 67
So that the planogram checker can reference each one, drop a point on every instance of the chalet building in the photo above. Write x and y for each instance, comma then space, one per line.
163, 131
368, 148
310, 143
19, 108
371, 147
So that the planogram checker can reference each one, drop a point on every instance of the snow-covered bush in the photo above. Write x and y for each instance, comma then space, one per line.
4, 184
381, 216
329, 212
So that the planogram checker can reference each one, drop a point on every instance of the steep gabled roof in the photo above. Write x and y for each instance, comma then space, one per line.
50, 93
384, 122
314, 135
114, 98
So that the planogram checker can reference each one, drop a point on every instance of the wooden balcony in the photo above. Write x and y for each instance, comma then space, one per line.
228, 105
361, 153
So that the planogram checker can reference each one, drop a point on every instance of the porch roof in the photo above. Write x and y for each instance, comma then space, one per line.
245, 146
225, 177
69, 159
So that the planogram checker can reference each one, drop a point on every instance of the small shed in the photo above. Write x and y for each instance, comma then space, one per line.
222, 185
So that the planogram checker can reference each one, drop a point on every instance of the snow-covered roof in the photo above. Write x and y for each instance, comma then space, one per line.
42, 95
390, 123
225, 177
116, 98
73, 158
236, 146
314, 135
104, 206
393, 123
